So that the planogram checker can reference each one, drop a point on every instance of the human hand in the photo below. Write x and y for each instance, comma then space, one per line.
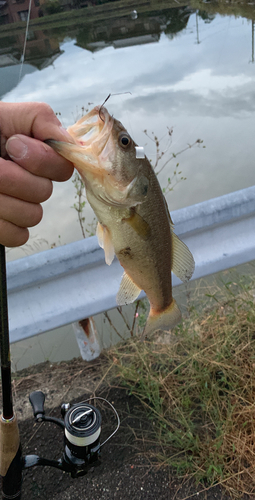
27, 166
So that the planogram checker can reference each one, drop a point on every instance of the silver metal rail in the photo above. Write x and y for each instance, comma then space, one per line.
59, 286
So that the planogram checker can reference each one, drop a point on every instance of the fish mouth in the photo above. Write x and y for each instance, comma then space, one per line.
92, 148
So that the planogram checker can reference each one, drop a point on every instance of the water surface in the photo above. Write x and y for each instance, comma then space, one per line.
185, 70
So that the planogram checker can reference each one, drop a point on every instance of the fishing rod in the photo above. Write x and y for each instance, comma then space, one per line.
10, 448
81, 422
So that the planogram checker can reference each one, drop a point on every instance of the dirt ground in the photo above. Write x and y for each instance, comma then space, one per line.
126, 470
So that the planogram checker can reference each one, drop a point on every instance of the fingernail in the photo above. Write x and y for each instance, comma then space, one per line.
66, 134
16, 148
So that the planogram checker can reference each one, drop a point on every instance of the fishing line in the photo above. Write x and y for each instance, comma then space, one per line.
127, 114
25, 41
113, 409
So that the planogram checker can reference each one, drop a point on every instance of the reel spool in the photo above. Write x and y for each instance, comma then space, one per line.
82, 433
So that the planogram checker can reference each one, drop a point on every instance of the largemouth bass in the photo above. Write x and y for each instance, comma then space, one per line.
133, 218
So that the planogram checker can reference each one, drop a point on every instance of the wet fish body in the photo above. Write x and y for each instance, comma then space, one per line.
134, 222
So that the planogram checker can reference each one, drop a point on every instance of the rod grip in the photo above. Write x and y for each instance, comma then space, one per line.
9, 443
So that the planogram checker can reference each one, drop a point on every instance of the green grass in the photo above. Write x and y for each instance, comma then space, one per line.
199, 390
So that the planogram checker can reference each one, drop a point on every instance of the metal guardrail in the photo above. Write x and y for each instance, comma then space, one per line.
65, 284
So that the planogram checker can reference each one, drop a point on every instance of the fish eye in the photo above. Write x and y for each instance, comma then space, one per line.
124, 140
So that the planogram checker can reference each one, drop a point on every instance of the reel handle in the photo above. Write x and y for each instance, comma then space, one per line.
37, 399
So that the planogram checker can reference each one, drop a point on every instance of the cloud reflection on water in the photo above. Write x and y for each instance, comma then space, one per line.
203, 90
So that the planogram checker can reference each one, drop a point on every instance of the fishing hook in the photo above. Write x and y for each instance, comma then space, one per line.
108, 97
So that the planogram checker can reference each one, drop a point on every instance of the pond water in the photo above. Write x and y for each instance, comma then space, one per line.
184, 69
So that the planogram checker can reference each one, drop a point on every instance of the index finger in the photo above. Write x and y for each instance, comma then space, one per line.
34, 119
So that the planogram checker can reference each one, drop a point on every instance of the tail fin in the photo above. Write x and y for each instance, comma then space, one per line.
164, 320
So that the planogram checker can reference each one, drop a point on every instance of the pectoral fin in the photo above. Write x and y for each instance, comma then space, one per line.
105, 242
183, 264
140, 226
128, 291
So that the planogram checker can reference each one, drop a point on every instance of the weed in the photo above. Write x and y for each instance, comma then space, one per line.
199, 389
164, 156
81, 200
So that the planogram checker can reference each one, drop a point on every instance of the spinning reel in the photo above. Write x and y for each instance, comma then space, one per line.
82, 429
81, 424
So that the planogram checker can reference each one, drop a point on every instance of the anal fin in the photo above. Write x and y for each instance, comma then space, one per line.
128, 291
